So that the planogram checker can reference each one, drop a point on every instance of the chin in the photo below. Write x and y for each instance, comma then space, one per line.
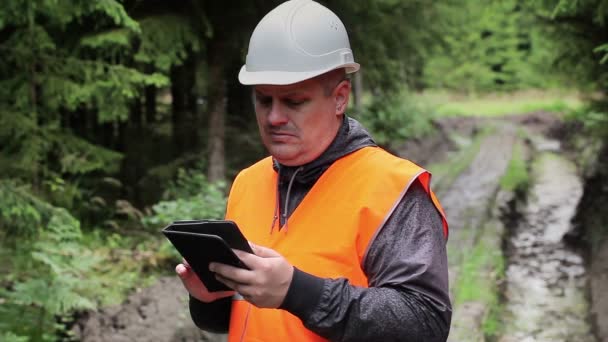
287, 159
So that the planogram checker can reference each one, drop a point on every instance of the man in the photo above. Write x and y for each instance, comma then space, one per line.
349, 240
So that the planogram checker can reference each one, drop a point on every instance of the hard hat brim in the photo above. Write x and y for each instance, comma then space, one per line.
286, 77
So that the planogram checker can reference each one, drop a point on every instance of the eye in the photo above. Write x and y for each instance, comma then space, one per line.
293, 102
264, 100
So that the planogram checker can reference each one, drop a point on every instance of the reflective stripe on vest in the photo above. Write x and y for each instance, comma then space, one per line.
328, 233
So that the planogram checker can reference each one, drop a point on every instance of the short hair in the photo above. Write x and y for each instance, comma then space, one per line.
331, 79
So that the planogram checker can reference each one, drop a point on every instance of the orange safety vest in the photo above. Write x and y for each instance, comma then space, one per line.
328, 233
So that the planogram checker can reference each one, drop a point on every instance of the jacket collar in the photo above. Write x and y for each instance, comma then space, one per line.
350, 137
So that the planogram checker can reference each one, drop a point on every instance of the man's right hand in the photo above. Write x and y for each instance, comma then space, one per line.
195, 286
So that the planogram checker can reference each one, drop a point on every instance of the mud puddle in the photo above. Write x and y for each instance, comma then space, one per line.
545, 290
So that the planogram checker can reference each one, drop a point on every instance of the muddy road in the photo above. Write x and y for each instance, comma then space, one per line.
543, 292
543, 283
546, 279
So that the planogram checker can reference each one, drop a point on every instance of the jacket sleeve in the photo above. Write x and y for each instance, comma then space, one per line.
407, 298
213, 317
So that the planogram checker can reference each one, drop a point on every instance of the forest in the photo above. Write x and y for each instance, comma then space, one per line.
120, 116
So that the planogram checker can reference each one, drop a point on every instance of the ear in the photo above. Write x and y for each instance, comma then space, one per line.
341, 96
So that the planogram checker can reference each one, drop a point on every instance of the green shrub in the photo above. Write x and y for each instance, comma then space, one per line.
394, 118
190, 196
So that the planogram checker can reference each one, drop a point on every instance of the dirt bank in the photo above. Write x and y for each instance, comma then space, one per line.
157, 313
591, 234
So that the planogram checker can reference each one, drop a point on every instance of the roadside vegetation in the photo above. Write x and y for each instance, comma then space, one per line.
481, 273
516, 177
445, 172
496, 104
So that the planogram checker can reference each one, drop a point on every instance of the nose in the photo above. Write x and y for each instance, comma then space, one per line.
277, 115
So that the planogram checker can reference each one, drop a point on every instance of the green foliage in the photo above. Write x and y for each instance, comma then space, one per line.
110, 41
486, 48
166, 40
481, 272
577, 31
394, 118
388, 39
46, 273
11, 337
594, 119
190, 196
21, 214
501, 103
51, 269
49, 69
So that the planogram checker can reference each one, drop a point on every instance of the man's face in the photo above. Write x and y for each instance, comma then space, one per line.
297, 122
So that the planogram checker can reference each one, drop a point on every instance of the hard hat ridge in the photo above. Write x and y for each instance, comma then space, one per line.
298, 40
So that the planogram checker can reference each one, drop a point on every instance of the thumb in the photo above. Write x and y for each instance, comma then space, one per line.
182, 271
263, 252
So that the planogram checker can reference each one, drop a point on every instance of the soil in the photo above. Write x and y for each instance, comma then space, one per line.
160, 312
546, 279
157, 313
591, 235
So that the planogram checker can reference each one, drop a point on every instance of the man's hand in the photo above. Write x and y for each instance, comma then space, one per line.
266, 284
195, 286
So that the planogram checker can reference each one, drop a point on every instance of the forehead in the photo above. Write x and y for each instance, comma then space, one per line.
307, 86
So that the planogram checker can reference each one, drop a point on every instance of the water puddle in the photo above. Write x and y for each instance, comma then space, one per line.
546, 280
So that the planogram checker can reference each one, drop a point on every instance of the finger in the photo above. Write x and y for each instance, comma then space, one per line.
222, 294
264, 252
191, 281
196, 287
236, 274
228, 282
251, 260
185, 262
182, 271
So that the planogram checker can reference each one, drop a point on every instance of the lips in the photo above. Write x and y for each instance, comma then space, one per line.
280, 136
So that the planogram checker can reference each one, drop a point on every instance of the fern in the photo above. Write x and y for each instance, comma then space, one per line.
21, 214
49, 269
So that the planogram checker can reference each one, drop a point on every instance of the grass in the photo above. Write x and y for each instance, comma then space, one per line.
445, 173
480, 273
516, 175
499, 104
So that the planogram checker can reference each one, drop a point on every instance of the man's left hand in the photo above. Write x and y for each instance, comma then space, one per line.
265, 285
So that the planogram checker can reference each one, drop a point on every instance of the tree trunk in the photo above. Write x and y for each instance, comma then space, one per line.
178, 109
150, 94
136, 117
216, 169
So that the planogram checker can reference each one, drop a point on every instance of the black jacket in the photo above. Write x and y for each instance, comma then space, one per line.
406, 265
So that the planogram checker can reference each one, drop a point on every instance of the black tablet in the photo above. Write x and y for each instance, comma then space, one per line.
202, 242
226, 229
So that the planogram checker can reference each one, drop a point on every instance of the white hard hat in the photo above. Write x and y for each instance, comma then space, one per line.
298, 40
